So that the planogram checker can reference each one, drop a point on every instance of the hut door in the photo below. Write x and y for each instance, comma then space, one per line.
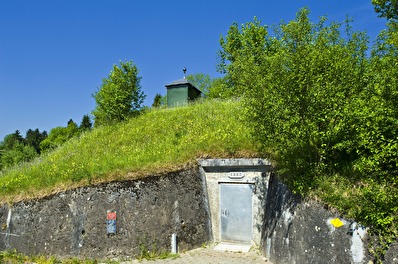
236, 216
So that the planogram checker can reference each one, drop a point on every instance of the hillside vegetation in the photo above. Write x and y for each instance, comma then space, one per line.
155, 142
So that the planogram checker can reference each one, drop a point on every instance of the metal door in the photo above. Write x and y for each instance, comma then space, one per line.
236, 215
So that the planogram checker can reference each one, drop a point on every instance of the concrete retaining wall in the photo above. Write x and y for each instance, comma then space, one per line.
73, 223
149, 211
297, 231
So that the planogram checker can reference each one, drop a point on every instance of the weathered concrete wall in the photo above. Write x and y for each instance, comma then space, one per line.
297, 231
73, 223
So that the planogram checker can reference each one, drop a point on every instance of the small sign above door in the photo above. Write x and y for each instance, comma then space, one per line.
236, 175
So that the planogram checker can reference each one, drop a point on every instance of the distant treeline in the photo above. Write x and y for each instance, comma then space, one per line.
15, 148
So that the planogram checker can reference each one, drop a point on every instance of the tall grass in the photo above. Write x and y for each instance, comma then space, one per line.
158, 141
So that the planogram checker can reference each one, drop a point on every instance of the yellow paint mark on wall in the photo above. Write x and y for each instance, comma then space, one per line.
336, 222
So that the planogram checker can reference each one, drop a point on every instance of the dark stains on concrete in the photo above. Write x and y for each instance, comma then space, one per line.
73, 223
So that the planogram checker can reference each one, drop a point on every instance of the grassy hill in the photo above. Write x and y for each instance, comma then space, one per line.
156, 142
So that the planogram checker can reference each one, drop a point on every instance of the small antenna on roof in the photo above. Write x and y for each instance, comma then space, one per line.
184, 70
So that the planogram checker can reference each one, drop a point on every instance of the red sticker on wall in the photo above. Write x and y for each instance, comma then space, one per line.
111, 216
111, 222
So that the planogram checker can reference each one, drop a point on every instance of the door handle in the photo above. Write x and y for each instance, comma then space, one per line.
224, 212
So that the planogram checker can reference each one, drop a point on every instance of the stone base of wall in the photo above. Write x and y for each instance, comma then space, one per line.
74, 223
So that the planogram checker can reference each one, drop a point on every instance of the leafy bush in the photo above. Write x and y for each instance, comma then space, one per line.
325, 111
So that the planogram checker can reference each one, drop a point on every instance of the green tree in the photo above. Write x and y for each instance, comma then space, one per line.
34, 138
85, 124
19, 153
119, 96
11, 140
8, 143
297, 86
372, 134
72, 129
212, 87
157, 100
59, 135
15, 149
386, 8
251, 40
201, 81
221, 88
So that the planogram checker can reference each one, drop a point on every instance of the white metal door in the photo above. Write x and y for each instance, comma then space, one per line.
236, 214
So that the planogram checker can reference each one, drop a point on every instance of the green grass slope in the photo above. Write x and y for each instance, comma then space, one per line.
159, 141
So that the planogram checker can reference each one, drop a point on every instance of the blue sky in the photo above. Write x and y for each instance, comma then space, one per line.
55, 53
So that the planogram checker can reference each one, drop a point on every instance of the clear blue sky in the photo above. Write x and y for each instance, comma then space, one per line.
54, 54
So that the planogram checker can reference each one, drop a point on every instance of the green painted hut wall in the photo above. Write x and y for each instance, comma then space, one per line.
180, 92
177, 96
